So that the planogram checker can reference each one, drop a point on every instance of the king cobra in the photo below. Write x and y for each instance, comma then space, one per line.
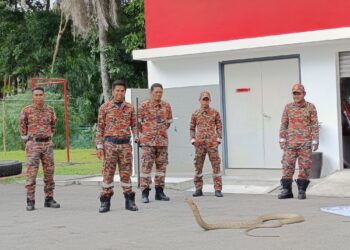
279, 220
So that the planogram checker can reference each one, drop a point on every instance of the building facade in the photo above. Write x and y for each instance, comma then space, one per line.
254, 51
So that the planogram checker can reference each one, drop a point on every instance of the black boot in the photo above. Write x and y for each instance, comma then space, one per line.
130, 201
218, 193
30, 205
302, 186
145, 194
286, 189
50, 202
160, 196
105, 204
197, 193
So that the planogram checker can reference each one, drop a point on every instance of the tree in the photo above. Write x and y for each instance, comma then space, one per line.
100, 14
27, 41
123, 40
61, 30
32, 5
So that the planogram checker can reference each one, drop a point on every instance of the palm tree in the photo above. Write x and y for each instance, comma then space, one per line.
84, 15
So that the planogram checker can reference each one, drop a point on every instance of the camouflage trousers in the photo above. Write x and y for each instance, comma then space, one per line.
151, 155
36, 151
213, 153
114, 154
292, 152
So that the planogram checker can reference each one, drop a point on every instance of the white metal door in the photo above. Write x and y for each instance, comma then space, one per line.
255, 95
244, 124
278, 77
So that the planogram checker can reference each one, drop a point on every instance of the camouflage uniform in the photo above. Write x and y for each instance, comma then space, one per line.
154, 119
299, 130
113, 136
36, 127
206, 134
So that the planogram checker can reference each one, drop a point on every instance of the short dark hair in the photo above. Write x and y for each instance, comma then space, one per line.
156, 85
118, 83
38, 88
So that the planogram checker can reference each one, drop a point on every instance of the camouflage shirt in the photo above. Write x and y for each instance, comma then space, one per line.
37, 121
115, 121
299, 123
206, 126
154, 121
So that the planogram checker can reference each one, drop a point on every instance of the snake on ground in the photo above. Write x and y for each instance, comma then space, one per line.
279, 220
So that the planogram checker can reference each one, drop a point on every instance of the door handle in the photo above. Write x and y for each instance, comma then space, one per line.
267, 116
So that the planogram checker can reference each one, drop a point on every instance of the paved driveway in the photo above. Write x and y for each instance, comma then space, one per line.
163, 225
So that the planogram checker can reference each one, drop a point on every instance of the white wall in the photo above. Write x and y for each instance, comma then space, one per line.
183, 73
318, 74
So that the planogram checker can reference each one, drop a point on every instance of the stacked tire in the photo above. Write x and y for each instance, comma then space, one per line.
9, 168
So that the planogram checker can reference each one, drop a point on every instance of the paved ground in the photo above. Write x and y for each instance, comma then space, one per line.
163, 225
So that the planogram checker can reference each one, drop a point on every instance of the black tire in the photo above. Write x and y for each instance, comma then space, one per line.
9, 168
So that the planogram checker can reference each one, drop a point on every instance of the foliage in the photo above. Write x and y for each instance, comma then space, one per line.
26, 45
134, 20
27, 41
129, 36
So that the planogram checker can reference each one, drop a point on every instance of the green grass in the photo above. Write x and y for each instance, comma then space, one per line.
12, 179
82, 162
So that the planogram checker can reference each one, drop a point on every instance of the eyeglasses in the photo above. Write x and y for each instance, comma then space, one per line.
205, 99
297, 93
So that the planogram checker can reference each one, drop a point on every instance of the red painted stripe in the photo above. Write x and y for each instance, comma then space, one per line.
243, 90
180, 22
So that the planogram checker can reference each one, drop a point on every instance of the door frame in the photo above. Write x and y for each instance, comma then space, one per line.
339, 100
223, 96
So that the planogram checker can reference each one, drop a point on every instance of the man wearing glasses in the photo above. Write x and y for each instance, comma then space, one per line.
299, 134
154, 117
206, 135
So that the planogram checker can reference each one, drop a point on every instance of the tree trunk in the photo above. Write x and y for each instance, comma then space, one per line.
15, 85
5, 82
10, 85
60, 33
24, 5
102, 37
47, 5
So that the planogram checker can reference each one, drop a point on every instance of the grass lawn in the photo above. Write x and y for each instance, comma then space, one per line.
82, 162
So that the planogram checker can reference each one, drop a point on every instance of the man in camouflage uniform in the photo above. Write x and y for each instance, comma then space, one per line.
115, 120
155, 117
298, 138
36, 127
206, 135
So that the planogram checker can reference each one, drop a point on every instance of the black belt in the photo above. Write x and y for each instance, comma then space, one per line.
116, 140
41, 139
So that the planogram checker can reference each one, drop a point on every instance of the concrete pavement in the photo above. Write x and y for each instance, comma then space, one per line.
251, 181
163, 225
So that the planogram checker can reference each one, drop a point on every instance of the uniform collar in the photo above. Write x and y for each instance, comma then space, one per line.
36, 106
204, 110
300, 105
156, 104
114, 104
